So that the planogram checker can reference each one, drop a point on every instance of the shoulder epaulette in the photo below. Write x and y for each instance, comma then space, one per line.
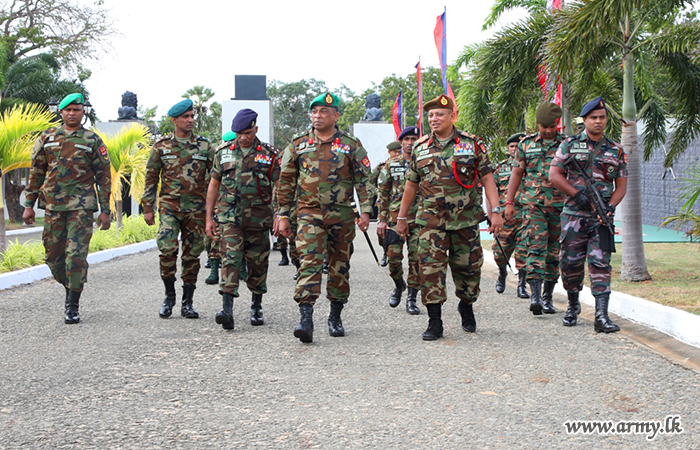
349, 136
421, 140
167, 137
202, 138
223, 145
300, 134
271, 148
529, 136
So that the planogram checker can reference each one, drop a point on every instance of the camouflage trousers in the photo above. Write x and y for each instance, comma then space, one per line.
66, 238
512, 238
251, 244
580, 242
462, 250
395, 257
190, 225
321, 232
542, 228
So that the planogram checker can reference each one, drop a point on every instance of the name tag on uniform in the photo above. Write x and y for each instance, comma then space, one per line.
200, 157
464, 149
263, 159
423, 154
579, 147
534, 149
52, 144
341, 148
505, 172
169, 156
84, 147
301, 151
166, 151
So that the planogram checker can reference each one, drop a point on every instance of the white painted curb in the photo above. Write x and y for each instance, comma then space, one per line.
24, 231
31, 274
678, 324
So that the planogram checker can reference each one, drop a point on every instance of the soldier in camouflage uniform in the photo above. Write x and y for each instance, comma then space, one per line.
243, 179
543, 204
511, 237
606, 163
181, 163
323, 166
447, 166
390, 195
68, 163
377, 176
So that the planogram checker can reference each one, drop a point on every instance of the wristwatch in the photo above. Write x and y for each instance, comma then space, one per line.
497, 210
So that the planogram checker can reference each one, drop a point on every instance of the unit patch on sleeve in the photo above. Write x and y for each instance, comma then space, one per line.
366, 162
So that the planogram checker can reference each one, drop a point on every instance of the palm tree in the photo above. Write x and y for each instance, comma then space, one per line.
590, 34
128, 153
19, 127
690, 190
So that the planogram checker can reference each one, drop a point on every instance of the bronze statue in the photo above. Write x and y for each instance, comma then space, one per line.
373, 108
129, 106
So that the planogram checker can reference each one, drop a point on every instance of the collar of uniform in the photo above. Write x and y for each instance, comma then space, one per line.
435, 141
335, 135
77, 133
193, 139
252, 149
584, 137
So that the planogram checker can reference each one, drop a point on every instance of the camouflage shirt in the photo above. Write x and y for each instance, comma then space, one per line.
391, 189
376, 177
501, 175
247, 181
448, 179
604, 162
183, 172
321, 174
536, 155
66, 168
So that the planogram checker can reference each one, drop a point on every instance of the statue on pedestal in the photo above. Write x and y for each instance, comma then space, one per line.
129, 106
373, 108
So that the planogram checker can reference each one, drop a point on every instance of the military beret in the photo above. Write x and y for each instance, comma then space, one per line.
515, 138
409, 131
547, 114
245, 118
71, 98
442, 101
228, 136
396, 145
596, 103
326, 99
181, 108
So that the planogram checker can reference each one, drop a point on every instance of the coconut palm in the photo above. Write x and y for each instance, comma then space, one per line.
128, 153
19, 127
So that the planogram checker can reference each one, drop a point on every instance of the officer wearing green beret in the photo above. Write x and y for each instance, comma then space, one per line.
446, 167
69, 165
324, 167
180, 162
543, 204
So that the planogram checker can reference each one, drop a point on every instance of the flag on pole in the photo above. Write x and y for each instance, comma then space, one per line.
420, 98
396, 113
542, 76
553, 4
440, 34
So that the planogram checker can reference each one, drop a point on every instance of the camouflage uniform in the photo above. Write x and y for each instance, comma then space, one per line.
247, 179
512, 236
66, 169
322, 177
449, 214
183, 171
542, 204
579, 237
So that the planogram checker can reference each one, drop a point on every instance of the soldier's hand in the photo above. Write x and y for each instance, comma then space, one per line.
210, 228
103, 220
363, 222
284, 228
402, 228
28, 216
381, 228
149, 218
583, 201
496, 223
510, 213
276, 227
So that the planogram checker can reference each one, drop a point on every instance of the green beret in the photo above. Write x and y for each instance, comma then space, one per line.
396, 145
181, 108
326, 99
515, 138
442, 101
547, 114
228, 136
71, 98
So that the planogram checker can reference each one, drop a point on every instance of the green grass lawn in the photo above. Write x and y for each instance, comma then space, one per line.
16, 226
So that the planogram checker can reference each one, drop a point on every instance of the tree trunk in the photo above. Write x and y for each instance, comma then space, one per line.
120, 219
13, 190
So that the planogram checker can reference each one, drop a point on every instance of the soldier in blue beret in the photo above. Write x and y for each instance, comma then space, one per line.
409, 131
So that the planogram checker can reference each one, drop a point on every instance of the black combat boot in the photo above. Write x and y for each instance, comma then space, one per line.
384, 260
72, 304
602, 321
285, 259
434, 330
547, 290
213, 277
256, 314
572, 311
207, 265
305, 330
167, 308
297, 264
326, 269
536, 296
335, 325
186, 309
522, 285
501, 282
395, 297
225, 316
468, 320
411, 306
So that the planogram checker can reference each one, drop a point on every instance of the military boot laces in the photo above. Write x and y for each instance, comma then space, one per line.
256, 312
187, 310
547, 300
411, 306
72, 304
395, 297
602, 323
535, 296
305, 330
297, 264
522, 284
285, 260
213, 277
167, 308
572, 312
434, 330
335, 325
225, 316
468, 320
501, 281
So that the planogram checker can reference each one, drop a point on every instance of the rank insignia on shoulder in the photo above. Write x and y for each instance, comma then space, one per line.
366, 162
263, 159
340, 148
464, 149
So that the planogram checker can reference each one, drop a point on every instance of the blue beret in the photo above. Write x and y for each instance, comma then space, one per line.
409, 131
71, 98
181, 108
245, 118
596, 103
